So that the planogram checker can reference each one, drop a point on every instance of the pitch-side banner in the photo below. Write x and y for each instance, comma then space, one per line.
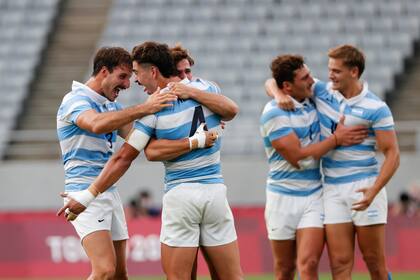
43, 245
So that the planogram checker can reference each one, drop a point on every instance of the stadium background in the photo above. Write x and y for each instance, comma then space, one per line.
45, 44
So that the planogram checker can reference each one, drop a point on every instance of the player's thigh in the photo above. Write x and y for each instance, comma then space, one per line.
212, 269
100, 249
340, 242
310, 243
178, 260
371, 240
284, 253
225, 260
120, 253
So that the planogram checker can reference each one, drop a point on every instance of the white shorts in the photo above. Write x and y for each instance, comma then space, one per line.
338, 200
104, 213
285, 214
196, 214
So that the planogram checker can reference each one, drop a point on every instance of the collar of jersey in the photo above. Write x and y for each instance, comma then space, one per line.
89, 92
354, 99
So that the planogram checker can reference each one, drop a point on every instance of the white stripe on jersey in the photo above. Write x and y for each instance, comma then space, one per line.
194, 163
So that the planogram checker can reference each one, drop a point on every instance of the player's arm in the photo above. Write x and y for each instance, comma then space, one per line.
106, 122
290, 147
272, 90
386, 141
114, 169
163, 149
217, 103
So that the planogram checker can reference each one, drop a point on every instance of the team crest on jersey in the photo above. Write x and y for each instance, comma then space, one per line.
357, 112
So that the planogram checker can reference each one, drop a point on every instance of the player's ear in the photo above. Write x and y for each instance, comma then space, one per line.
287, 85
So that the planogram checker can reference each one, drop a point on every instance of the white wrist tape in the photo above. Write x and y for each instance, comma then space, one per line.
200, 136
84, 197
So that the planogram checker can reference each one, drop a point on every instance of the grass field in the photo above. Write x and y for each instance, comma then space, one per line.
395, 276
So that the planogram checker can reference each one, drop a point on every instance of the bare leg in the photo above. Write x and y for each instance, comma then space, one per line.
120, 253
100, 250
340, 244
225, 260
310, 243
178, 262
371, 241
284, 254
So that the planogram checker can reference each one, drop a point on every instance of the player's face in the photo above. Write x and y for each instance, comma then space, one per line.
341, 75
184, 69
302, 84
113, 82
145, 77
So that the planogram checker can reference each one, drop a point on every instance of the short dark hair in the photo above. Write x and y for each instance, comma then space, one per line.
351, 56
283, 68
179, 53
156, 54
111, 57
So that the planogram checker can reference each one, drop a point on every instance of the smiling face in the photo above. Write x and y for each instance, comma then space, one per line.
341, 75
113, 82
145, 76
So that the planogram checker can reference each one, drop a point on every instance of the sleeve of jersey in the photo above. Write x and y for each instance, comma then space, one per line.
214, 88
142, 131
74, 108
276, 123
382, 119
319, 88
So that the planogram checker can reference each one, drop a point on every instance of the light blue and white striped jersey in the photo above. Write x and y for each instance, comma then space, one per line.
348, 164
84, 153
276, 123
181, 121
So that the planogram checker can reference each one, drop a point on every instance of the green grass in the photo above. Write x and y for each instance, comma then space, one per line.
395, 276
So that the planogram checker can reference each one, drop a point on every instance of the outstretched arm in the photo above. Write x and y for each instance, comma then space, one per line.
217, 103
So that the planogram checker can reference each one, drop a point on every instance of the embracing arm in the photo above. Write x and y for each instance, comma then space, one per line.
217, 103
283, 100
290, 147
163, 149
106, 122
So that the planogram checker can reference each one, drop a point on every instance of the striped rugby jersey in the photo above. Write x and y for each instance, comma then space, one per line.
276, 123
180, 121
84, 153
348, 164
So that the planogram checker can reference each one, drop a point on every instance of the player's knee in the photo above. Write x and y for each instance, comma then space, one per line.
375, 264
104, 273
284, 271
341, 263
308, 265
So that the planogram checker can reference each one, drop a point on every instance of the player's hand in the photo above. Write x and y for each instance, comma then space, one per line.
71, 209
368, 196
180, 90
211, 138
285, 102
350, 135
159, 100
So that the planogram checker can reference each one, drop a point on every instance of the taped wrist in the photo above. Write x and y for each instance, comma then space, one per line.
84, 197
198, 140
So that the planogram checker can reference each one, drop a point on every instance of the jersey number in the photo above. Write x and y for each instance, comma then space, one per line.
108, 137
198, 119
